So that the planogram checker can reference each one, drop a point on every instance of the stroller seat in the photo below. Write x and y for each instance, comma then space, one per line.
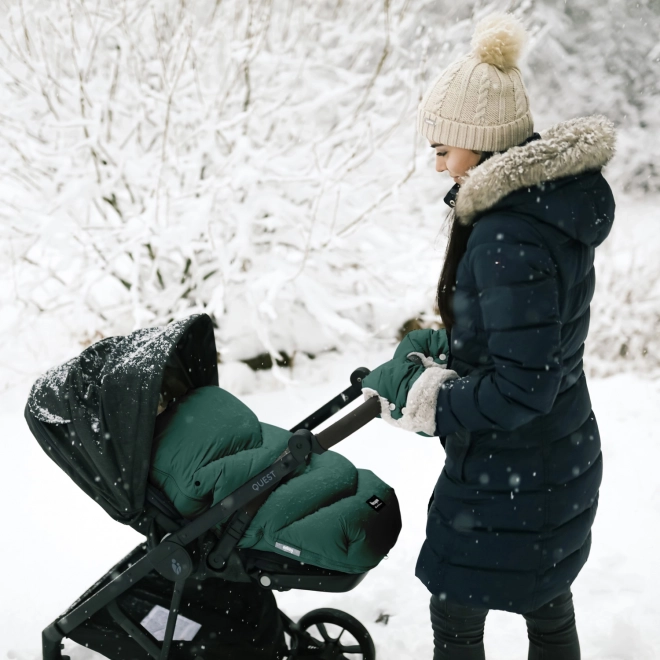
283, 573
328, 513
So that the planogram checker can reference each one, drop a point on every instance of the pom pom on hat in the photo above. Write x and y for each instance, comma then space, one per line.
498, 40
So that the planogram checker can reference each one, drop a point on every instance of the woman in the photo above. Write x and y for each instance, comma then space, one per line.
509, 526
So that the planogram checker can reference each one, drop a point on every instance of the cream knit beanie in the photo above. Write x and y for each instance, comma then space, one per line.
480, 101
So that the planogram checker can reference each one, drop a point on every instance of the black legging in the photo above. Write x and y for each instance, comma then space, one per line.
458, 631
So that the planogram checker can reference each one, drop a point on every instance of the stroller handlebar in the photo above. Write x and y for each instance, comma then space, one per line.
349, 423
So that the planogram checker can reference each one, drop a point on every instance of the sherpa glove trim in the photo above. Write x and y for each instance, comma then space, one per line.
419, 413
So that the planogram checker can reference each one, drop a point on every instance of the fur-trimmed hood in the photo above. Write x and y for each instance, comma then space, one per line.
566, 149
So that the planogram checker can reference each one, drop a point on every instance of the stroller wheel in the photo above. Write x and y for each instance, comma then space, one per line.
329, 634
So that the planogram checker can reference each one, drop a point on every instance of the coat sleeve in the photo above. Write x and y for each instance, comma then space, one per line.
516, 283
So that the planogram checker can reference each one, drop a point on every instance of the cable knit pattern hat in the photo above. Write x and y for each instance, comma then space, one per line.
480, 101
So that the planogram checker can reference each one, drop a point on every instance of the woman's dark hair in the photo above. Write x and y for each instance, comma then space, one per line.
458, 240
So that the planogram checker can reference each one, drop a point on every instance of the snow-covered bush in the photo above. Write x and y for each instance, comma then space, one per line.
164, 159
254, 159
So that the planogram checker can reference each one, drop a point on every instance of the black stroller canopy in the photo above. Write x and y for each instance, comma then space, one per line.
95, 414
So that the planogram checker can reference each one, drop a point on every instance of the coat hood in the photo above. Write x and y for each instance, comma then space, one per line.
540, 177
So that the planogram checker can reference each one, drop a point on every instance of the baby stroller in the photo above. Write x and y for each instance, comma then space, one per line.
201, 585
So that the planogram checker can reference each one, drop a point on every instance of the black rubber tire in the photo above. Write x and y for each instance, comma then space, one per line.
345, 621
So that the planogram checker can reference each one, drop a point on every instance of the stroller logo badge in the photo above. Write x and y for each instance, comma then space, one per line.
176, 567
260, 483
375, 503
288, 548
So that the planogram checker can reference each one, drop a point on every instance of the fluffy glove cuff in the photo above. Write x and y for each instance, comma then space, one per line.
418, 415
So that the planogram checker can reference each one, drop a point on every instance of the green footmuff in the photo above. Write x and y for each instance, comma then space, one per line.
209, 443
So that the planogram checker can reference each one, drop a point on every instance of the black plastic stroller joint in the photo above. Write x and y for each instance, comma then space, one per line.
176, 558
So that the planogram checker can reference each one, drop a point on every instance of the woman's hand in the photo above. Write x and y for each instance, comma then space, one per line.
432, 343
408, 391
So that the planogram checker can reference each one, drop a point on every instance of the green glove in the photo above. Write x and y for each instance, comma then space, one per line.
432, 343
408, 391
392, 381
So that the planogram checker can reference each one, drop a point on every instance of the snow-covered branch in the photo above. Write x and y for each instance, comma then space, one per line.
257, 160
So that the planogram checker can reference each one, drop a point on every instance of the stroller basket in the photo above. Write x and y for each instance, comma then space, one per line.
93, 448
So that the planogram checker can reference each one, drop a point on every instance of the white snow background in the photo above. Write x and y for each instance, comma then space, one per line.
257, 160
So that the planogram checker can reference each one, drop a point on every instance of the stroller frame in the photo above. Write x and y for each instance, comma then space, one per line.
174, 557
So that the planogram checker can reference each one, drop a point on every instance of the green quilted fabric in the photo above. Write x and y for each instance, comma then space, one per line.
432, 343
209, 443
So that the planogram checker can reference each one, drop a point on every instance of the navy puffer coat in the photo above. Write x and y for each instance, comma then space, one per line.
509, 527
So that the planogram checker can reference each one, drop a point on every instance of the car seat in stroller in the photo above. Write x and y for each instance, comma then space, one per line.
201, 585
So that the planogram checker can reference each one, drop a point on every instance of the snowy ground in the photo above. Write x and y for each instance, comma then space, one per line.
57, 542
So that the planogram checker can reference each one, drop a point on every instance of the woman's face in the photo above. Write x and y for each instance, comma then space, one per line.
454, 160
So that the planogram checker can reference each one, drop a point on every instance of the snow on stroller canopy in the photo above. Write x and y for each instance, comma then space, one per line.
94, 415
